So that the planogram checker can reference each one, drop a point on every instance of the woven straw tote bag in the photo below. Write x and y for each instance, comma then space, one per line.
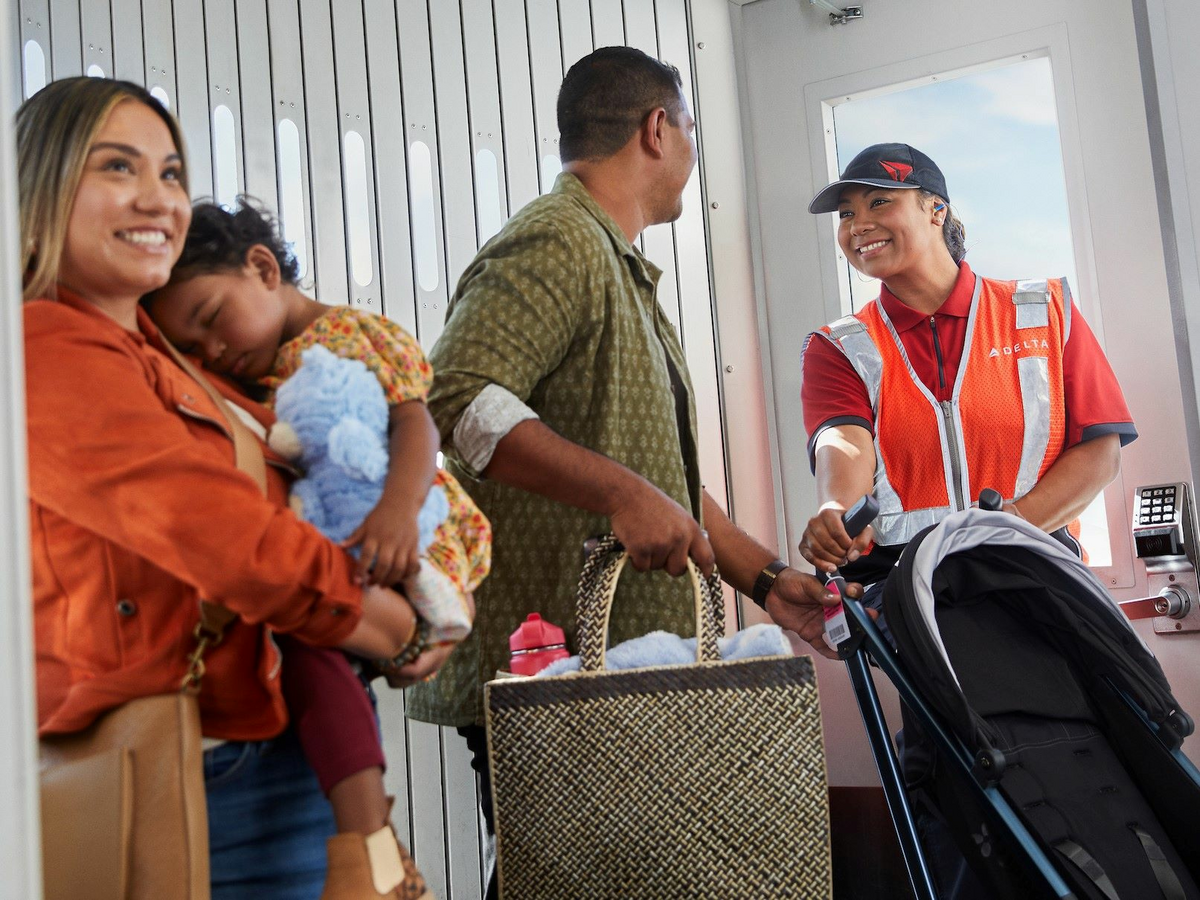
697, 781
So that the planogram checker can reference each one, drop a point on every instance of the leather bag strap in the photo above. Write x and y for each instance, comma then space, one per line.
246, 448
214, 619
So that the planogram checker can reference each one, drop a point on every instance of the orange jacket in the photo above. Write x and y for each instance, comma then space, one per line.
1003, 428
137, 512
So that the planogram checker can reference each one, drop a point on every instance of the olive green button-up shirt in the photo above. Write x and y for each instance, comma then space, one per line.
560, 309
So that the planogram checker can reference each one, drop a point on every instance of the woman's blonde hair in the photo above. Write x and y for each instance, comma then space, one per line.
55, 129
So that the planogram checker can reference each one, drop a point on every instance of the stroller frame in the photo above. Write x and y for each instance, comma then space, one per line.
867, 644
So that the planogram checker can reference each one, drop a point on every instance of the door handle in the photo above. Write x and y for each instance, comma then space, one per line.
1145, 608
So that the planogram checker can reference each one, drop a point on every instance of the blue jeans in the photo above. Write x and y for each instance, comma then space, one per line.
267, 821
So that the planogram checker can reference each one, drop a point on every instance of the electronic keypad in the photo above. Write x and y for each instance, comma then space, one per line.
1164, 538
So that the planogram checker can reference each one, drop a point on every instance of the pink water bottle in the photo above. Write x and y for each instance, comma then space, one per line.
536, 644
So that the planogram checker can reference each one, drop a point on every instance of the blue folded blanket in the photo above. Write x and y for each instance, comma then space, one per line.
661, 648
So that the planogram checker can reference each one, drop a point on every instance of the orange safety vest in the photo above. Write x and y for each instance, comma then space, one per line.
1004, 425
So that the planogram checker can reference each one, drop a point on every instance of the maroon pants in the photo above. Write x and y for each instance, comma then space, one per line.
330, 711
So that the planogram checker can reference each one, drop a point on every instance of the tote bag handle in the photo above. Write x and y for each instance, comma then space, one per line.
598, 587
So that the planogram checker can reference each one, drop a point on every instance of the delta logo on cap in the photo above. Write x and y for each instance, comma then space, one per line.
903, 167
898, 170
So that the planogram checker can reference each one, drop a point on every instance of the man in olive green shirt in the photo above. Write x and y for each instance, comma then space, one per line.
563, 399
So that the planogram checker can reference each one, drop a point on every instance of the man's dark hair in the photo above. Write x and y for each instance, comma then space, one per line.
606, 97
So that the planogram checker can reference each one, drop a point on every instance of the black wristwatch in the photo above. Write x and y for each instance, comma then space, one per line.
765, 581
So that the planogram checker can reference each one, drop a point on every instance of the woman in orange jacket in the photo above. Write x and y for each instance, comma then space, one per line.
137, 510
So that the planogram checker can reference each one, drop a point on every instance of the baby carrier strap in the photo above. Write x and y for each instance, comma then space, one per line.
1088, 865
1168, 881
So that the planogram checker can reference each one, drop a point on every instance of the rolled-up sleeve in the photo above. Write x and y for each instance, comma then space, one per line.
488, 418
107, 455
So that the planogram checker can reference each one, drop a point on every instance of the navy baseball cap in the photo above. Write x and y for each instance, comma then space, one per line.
892, 166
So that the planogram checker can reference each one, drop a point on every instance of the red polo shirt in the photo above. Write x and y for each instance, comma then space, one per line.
831, 393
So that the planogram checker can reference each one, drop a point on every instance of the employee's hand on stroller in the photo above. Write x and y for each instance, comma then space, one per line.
827, 545
797, 603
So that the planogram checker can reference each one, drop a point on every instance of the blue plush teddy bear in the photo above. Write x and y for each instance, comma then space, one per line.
333, 421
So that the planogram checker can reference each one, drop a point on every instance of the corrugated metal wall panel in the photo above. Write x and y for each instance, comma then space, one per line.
257, 113
545, 64
355, 119
158, 42
225, 92
658, 241
420, 112
95, 31
191, 100
67, 48
426, 797
129, 58
33, 24
287, 89
516, 97
575, 17
454, 142
608, 23
696, 306
328, 248
483, 94
391, 170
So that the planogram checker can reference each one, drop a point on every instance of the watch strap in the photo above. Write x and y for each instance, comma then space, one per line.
765, 581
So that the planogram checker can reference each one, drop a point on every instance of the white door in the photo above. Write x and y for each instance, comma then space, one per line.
799, 71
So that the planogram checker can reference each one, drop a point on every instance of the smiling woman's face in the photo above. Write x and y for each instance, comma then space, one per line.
131, 212
886, 232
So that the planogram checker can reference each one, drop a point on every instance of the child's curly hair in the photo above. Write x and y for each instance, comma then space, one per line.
219, 239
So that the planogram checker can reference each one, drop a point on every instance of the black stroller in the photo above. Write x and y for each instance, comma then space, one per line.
1037, 722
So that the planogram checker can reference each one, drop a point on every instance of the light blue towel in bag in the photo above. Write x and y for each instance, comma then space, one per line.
661, 648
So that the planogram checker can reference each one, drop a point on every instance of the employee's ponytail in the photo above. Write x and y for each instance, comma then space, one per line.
955, 235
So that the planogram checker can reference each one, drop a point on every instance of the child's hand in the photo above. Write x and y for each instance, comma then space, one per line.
388, 539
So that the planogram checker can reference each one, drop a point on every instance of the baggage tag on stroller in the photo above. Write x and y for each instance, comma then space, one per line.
858, 517
836, 626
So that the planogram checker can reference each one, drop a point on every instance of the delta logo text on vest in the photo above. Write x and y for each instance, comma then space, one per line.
1018, 349
1004, 426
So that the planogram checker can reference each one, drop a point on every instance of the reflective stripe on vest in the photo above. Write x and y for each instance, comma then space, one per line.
933, 458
